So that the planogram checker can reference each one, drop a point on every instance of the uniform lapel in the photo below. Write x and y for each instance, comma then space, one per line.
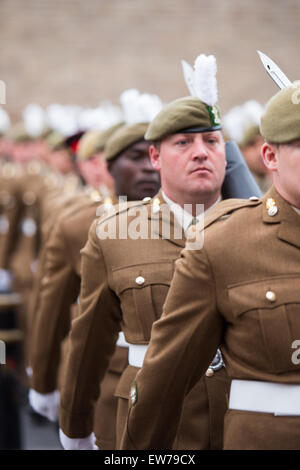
164, 224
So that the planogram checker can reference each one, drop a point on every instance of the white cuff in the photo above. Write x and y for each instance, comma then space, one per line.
46, 404
83, 443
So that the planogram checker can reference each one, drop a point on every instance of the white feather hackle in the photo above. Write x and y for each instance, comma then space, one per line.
205, 79
139, 107
34, 119
201, 80
4, 121
239, 119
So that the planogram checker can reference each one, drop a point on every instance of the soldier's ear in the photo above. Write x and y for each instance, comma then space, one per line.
269, 153
154, 154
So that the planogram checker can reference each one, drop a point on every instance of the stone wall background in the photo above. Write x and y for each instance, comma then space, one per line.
84, 51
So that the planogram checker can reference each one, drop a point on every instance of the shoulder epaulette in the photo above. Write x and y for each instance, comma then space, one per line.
117, 209
226, 207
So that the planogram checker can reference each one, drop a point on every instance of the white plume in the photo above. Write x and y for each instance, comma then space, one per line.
34, 119
4, 121
139, 107
201, 80
240, 118
63, 119
188, 74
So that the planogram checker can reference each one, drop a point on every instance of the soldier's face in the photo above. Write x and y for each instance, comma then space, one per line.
24, 152
133, 173
284, 161
61, 161
94, 171
253, 157
191, 165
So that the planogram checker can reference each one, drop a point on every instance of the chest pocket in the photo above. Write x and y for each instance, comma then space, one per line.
269, 312
142, 290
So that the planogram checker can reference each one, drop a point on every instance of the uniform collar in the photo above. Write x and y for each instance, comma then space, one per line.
183, 217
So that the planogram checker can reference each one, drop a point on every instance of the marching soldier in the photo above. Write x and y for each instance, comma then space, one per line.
61, 276
125, 278
242, 296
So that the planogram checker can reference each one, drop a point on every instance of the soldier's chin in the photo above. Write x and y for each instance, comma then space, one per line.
143, 191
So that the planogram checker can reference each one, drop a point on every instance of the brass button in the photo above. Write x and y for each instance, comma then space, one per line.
29, 198
210, 372
271, 296
133, 394
140, 280
272, 211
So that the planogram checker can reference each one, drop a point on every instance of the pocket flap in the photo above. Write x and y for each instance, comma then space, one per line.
265, 293
141, 275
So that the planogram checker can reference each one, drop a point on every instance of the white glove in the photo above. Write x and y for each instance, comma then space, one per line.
83, 443
46, 404
5, 280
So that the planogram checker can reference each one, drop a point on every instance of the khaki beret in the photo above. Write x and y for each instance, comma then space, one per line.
46, 132
249, 136
55, 140
87, 144
105, 135
124, 137
280, 122
18, 133
187, 114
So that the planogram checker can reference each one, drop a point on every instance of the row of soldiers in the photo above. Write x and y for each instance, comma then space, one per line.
89, 298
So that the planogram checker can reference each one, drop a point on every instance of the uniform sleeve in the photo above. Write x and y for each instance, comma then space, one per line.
60, 287
183, 344
92, 342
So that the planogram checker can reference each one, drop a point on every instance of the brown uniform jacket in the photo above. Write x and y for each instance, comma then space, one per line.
10, 211
112, 297
60, 287
218, 297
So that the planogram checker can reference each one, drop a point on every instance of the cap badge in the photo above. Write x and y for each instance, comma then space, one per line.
214, 115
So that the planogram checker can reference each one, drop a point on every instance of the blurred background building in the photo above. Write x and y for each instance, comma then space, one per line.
70, 51
83, 53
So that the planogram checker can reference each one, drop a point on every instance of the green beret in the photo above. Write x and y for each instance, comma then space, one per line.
123, 138
187, 114
87, 145
280, 122
105, 135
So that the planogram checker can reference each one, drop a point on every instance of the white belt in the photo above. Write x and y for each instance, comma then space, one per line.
136, 354
265, 397
122, 341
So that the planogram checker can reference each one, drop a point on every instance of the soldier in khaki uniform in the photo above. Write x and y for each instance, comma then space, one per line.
61, 279
125, 280
242, 295
35, 187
